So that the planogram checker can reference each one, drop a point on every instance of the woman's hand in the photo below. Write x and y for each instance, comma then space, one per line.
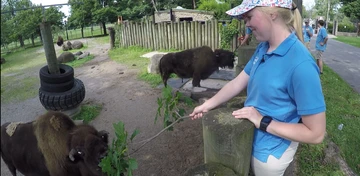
198, 112
249, 113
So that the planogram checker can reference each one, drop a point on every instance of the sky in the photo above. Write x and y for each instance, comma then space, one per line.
308, 4
65, 9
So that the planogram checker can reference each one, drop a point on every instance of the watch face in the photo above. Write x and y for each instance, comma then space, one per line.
267, 119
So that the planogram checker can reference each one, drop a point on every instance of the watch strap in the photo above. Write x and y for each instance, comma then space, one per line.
264, 123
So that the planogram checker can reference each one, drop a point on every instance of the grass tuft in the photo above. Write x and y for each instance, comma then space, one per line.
153, 79
88, 113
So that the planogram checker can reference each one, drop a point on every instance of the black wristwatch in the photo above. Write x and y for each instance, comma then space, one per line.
265, 121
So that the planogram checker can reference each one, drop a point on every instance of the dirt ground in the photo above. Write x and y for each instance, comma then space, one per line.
126, 99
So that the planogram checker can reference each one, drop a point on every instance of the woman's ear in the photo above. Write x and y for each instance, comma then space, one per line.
273, 16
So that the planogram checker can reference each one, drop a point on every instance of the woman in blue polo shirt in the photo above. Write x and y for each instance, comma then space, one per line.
283, 86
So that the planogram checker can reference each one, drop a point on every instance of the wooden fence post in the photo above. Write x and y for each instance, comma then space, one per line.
112, 37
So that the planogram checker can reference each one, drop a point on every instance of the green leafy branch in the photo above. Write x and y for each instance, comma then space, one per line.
228, 32
117, 161
169, 107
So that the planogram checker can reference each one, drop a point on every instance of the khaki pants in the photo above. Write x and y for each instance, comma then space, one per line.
318, 54
274, 166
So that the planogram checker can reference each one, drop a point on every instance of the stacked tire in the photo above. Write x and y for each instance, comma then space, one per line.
60, 91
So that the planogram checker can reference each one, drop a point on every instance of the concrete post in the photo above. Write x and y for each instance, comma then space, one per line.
48, 44
227, 140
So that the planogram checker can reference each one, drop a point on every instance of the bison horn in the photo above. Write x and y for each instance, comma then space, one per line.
73, 153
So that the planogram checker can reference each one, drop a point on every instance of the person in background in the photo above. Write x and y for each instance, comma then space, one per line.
320, 45
308, 33
284, 94
248, 32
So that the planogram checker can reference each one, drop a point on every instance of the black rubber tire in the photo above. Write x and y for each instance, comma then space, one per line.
67, 74
62, 87
63, 100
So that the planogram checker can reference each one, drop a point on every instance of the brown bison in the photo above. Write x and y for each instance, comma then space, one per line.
60, 41
198, 63
53, 145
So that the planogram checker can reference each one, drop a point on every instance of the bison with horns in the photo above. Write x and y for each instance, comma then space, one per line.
53, 145
198, 63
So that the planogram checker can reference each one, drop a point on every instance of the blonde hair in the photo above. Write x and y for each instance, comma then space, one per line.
291, 17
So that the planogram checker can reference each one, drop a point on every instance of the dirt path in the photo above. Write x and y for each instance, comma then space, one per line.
126, 99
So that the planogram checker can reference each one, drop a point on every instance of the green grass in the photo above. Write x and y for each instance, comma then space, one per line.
78, 63
23, 59
354, 41
103, 40
342, 107
130, 57
153, 79
16, 89
311, 161
16, 82
88, 113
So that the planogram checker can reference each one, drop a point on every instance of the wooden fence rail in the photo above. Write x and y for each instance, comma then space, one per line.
171, 35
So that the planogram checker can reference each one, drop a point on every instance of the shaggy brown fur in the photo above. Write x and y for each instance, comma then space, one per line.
60, 41
49, 141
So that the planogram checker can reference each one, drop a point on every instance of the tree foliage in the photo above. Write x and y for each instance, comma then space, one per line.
351, 9
219, 9
321, 7
24, 24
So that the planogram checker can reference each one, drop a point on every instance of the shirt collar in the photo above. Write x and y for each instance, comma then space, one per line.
284, 47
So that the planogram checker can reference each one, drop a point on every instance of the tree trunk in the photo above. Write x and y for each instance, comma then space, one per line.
299, 4
50, 53
194, 4
41, 39
32, 40
154, 5
104, 27
82, 32
21, 41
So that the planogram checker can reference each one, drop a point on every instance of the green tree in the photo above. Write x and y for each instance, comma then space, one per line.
134, 9
219, 9
351, 9
81, 13
321, 7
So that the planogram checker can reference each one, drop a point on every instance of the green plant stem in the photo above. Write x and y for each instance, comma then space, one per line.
153, 137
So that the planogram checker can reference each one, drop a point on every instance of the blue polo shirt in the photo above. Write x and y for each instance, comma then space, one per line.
285, 85
306, 34
322, 34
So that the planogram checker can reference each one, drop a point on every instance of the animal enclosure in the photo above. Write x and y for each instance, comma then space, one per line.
171, 35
